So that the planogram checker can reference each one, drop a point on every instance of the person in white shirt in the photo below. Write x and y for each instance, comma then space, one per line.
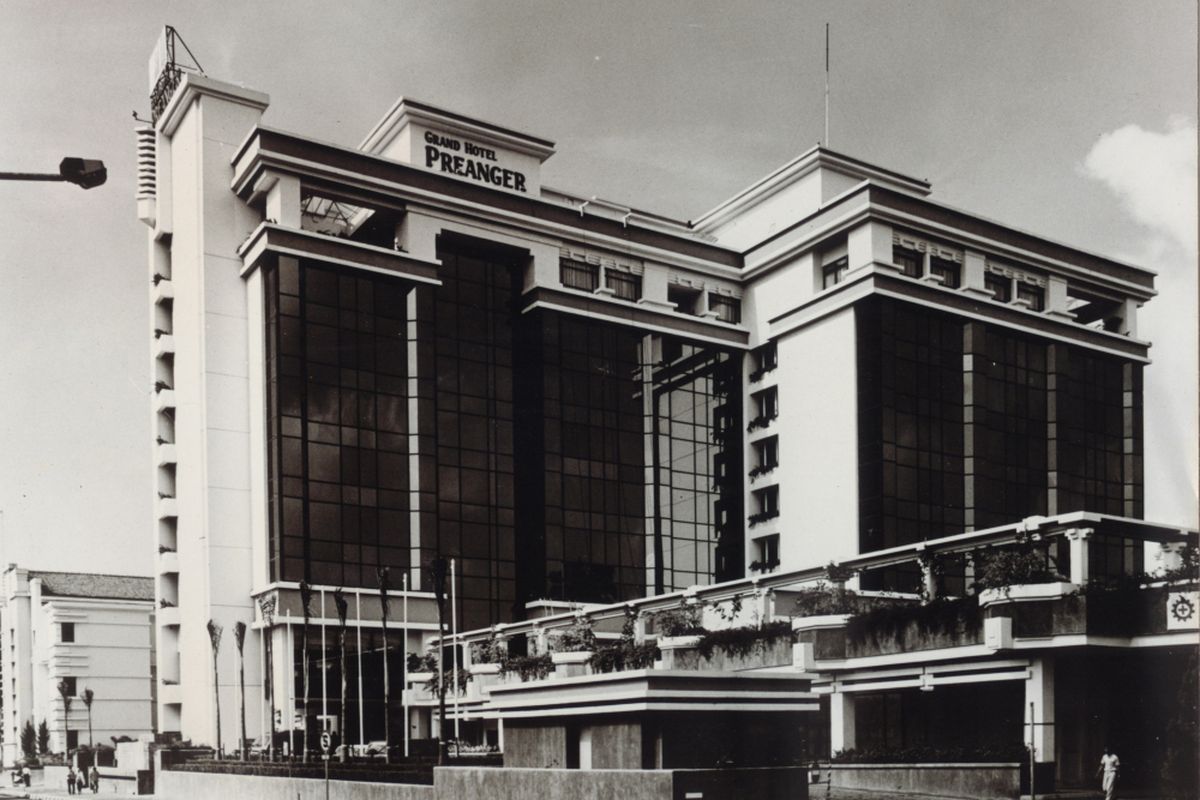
1110, 767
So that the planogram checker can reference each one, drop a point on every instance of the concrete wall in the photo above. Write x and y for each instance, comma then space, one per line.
468, 783
535, 747
980, 781
209, 786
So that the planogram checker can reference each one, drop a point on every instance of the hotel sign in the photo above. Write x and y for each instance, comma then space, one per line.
466, 159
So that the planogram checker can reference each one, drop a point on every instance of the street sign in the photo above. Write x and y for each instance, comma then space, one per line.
326, 741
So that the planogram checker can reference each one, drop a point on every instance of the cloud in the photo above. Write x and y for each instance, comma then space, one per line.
1154, 176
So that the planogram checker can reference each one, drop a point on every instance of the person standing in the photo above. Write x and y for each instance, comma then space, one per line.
1110, 768
71, 779
94, 779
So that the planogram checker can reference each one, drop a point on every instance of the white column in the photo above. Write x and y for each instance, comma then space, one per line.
869, 243
1039, 701
841, 722
1078, 539
974, 267
283, 201
324, 670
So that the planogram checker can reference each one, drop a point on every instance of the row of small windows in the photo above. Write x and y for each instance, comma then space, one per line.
627, 286
949, 273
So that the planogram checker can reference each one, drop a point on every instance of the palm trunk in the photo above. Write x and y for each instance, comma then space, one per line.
387, 692
217, 698
91, 745
239, 636
345, 685
304, 656
270, 679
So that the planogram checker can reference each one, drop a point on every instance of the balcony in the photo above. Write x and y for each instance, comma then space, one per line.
167, 508
164, 346
269, 241
168, 563
164, 400
164, 291
166, 454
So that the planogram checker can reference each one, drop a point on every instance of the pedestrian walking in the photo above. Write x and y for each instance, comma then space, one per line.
26, 775
94, 779
80, 781
1110, 769
71, 776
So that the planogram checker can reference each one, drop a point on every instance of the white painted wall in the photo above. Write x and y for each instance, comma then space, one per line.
818, 442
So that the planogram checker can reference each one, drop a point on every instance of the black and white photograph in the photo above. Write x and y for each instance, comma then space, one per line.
560, 400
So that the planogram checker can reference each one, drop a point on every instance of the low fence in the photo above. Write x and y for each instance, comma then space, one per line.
980, 781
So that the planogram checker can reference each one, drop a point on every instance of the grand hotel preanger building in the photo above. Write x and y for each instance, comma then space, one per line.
375, 356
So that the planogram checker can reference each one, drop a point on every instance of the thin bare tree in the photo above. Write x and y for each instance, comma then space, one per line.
214, 636
87, 696
339, 600
382, 572
64, 689
306, 596
239, 638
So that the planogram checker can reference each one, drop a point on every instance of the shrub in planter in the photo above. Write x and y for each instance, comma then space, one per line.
489, 651
453, 680
1001, 567
624, 655
578, 638
743, 641
933, 755
425, 662
529, 668
683, 621
886, 623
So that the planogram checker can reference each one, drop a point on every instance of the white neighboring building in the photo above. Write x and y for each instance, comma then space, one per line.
95, 631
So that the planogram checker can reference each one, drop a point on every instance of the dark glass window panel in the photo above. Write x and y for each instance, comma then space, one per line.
999, 285
729, 309
909, 261
948, 271
625, 285
579, 274
833, 272
1035, 296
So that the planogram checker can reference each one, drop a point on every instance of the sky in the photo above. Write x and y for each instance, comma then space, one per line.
1073, 120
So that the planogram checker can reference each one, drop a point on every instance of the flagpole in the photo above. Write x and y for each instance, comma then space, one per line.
404, 662
827, 84
358, 624
454, 647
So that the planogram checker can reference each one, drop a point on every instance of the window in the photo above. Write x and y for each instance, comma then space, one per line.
729, 309
909, 261
766, 456
70, 682
684, 298
67, 630
579, 274
767, 502
1033, 295
766, 358
834, 272
948, 271
767, 403
999, 286
72, 740
624, 285
766, 553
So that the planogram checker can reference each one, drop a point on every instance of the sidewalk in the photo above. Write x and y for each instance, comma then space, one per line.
52, 793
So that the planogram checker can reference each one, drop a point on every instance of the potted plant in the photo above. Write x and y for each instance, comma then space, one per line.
571, 648
1024, 572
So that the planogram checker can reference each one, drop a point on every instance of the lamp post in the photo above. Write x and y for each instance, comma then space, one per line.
83, 172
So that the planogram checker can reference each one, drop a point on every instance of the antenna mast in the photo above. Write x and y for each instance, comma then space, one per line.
827, 84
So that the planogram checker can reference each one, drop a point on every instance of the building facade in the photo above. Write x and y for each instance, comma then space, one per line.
368, 358
93, 632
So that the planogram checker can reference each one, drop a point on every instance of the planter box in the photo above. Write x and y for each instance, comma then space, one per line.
421, 678
569, 665
1026, 591
982, 781
675, 648
822, 621
484, 669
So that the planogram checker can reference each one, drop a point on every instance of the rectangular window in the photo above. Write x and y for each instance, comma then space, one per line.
766, 454
1033, 295
834, 272
684, 298
948, 271
624, 285
729, 309
579, 274
909, 261
766, 403
70, 682
67, 630
766, 503
999, 286
766, 358
766, 553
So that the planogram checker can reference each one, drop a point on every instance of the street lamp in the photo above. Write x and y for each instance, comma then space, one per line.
83, 172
